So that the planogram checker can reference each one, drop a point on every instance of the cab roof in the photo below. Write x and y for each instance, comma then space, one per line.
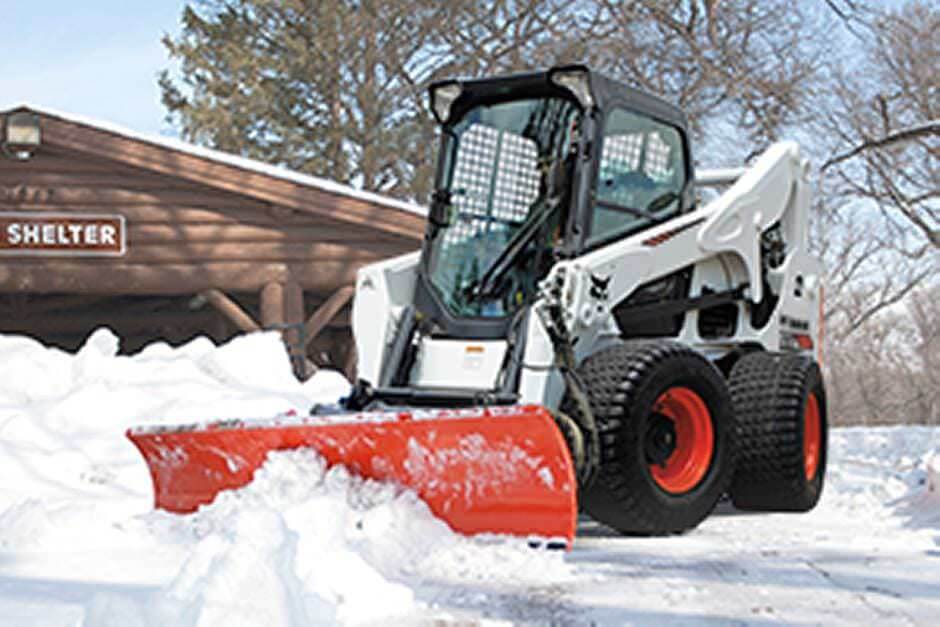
607, 92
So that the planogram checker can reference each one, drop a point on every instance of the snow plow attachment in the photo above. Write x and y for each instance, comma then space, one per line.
503, 470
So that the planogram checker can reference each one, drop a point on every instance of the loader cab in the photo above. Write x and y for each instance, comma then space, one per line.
534, 168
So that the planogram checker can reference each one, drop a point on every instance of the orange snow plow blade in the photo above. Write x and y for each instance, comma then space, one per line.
502, 470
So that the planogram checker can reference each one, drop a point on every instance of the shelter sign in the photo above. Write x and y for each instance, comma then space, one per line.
62, 235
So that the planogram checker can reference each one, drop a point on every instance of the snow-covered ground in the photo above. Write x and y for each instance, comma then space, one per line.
80, 544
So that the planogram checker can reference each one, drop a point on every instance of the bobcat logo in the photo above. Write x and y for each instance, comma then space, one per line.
598, 289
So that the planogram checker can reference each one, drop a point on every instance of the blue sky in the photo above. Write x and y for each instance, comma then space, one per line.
98, 58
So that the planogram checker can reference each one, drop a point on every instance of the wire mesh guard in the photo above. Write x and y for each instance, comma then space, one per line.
495, 181
625, 153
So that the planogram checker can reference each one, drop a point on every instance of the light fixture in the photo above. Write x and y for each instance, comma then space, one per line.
22, 134
577, 81
443, 96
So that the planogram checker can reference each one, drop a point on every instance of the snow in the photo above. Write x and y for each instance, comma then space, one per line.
81, 545
250, 165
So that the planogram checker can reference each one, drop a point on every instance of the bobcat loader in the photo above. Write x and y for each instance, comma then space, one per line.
579, 330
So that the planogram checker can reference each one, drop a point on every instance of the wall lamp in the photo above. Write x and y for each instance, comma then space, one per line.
22, 135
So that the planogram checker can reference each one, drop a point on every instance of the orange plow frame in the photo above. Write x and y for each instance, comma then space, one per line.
503, 470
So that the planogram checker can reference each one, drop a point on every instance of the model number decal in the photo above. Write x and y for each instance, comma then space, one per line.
794, 323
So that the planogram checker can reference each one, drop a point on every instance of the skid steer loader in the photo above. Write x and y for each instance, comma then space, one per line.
579, 329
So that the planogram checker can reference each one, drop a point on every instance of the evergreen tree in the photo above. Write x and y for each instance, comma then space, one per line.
336, 88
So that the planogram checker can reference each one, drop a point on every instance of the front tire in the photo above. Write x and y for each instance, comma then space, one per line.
666, 427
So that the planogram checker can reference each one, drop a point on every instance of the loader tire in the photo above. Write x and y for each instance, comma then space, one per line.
666, 428
780, 404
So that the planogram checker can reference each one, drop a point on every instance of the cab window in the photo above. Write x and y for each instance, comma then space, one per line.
641, 175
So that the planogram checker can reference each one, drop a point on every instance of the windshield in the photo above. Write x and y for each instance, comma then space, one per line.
506, 169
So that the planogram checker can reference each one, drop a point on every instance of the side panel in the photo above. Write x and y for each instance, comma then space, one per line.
539, 382
460, 364
382, 291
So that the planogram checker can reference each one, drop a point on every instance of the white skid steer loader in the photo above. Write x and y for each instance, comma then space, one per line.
579, 329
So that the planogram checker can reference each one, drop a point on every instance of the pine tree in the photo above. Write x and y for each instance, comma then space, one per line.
336, 88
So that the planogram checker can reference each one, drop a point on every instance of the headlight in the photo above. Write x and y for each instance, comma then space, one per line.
577, 82
443, 97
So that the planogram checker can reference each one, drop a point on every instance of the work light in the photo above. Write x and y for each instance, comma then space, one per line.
22, 134
443, 97
577, 82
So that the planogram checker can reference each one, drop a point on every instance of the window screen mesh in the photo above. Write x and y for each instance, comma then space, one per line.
495, 181
658, 159
622, 154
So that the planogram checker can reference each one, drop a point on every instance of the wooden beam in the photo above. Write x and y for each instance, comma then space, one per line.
76, 193
75, 164
185, 252
231, 310
47, 275
158, 232
128, 179
160, 213
322, 316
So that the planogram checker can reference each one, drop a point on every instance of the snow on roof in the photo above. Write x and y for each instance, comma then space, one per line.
226, 158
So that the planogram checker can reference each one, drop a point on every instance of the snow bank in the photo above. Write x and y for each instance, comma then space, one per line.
886, 471
300, 545
62, 416
325, 546
921, 506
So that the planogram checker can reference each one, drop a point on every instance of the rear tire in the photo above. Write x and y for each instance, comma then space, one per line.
780, 404
665, 420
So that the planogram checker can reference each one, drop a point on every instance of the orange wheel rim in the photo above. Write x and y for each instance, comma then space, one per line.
691, 458
812, 437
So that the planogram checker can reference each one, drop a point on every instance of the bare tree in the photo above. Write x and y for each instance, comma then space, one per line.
876, 215
888, 124
887, 372
743, 64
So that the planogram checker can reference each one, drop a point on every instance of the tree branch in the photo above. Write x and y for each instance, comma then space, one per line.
921, 130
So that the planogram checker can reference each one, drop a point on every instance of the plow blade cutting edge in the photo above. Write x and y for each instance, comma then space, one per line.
503, 470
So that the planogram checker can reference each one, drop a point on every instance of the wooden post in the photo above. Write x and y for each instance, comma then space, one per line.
282, 308
272, 305
352, 361
294, 333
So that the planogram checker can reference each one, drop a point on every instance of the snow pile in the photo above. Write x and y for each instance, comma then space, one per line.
299, 545
921, 505
887, 470
325, 546
62, 416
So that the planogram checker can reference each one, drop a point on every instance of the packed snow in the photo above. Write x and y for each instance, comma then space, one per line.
302, 544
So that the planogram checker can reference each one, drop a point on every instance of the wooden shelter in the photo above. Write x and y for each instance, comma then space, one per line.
159, 239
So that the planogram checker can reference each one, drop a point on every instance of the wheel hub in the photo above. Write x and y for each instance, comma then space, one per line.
660, 439
681, 438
